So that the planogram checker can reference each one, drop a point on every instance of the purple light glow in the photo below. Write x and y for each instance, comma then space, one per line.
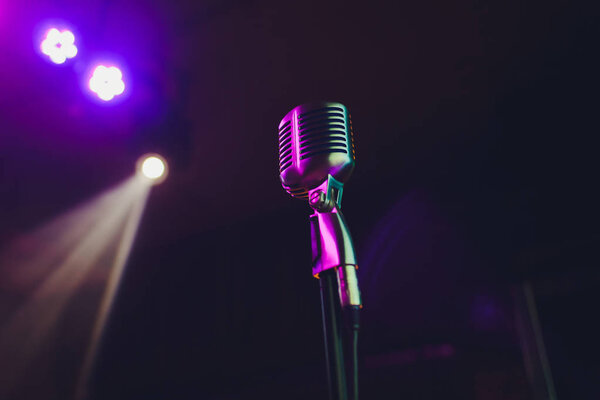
107, 82
59, 45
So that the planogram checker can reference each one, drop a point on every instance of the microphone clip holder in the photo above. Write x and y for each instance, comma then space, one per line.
331, 242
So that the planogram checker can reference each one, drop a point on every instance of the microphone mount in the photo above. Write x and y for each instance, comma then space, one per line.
331, 242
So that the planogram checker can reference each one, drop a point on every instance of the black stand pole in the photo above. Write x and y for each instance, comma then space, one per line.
334, 262
333, 331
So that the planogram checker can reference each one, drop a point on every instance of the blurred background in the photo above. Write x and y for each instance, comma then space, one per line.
473, 206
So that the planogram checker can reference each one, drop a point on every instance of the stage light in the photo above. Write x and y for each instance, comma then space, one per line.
59, 45
107, 82
153, 167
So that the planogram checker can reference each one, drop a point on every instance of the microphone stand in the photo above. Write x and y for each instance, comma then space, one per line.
333, 336
334, 263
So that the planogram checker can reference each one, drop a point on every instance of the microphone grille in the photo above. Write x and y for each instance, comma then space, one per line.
285, 146
322, 131
310, 136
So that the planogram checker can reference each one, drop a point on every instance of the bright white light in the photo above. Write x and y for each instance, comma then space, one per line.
59, 45
107, 82
152, 167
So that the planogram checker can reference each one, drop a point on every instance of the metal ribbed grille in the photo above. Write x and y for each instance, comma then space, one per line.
299, 192
351, 137
285, 146
322, 131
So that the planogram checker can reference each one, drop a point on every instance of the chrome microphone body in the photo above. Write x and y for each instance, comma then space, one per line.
316, 157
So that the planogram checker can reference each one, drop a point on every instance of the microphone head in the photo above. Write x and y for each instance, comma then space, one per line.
315, 140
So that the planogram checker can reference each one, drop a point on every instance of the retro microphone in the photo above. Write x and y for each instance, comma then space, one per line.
316, 158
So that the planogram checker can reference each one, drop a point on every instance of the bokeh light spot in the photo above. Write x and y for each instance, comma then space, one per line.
107, 82
59, 45
152, 167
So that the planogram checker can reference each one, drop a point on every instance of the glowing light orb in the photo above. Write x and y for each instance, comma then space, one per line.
107, 82
152, 167
59, 45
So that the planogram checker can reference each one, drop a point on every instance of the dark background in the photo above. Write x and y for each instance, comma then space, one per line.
476, 172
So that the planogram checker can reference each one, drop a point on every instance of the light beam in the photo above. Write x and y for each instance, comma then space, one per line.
42, 274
